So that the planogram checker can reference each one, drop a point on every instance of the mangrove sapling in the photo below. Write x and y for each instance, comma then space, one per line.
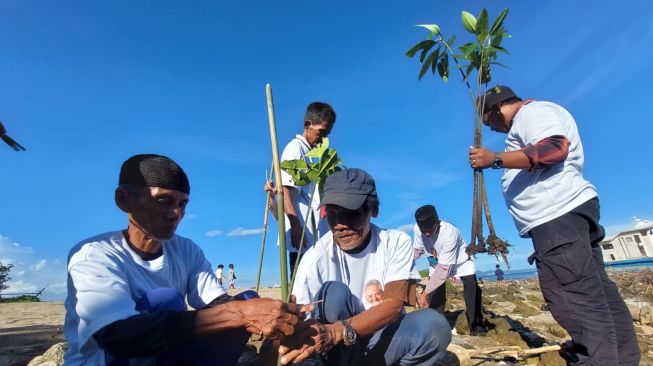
476, 56
324, 162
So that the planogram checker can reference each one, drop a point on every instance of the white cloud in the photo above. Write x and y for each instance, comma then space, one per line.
213, 233
408, 228
244, 232
39, 265
190, 216
31, 273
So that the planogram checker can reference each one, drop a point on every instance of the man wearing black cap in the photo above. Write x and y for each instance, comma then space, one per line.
128, 289
553, 204
438, 237
334, 273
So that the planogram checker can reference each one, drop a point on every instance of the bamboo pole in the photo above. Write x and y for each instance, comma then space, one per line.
281, 223
265, 232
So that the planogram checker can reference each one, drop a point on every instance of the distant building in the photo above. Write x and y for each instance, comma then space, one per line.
636, 242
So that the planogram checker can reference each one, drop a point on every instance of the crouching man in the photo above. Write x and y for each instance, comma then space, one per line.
127, 289
334, 273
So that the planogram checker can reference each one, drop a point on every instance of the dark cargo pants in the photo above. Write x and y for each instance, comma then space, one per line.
580, 295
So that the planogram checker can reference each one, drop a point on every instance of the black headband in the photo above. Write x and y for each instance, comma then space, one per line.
150, 170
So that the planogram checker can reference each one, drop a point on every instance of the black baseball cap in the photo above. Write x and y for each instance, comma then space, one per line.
495, 96
348, 188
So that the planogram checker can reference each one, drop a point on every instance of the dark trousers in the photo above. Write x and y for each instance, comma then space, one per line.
472, 295
579, 293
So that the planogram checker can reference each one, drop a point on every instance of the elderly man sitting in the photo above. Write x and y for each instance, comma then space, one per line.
334, 273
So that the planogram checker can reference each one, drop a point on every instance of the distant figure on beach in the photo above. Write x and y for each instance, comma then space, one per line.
128, 289
318, 123
373, 292
442, 239
498, 272
232, 276
219, 273
553, 204
344, 326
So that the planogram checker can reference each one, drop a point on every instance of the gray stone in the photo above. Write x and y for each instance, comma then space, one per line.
52, 357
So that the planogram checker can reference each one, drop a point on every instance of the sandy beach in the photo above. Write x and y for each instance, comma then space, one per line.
514, 310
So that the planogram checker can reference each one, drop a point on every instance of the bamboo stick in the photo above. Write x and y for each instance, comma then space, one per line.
281, 223
264, 235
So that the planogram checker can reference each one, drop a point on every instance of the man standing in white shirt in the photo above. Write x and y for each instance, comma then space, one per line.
334, 273
438, 237
128, 289
553, 204
318, 122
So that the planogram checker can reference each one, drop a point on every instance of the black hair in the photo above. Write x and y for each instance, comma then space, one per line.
318, 112
372, 204
498, 266
231, 265
220, 265
510, 100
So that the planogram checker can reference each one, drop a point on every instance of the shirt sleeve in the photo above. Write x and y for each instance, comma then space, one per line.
539, 122
102, 292
292, 151
401, 260
438, 277
203, 286
548, 151
418, 244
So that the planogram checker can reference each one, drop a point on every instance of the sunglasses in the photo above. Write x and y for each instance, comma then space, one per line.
340, 215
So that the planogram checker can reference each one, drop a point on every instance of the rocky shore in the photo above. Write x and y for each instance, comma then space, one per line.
522, 330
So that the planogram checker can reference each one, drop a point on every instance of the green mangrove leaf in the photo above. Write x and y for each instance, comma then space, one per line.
481, 26
498, 22
319, 150
443, 67
432, 27
469, 22
411, 52
425, 50
426, 64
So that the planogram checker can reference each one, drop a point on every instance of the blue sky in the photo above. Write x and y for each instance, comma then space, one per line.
86, 84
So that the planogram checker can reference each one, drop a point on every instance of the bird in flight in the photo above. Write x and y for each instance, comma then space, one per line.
11, 142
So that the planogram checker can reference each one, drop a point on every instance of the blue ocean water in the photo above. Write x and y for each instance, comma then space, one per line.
519, 274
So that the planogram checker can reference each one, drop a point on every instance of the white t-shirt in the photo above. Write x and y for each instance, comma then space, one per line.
388, 257
219, 273
297, 149
106, 278
550, 192
449, 246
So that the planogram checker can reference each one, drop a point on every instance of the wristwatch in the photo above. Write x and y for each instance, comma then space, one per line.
349, 335
497, 163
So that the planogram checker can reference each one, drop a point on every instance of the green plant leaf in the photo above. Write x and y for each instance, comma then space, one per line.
434, 64
443, 67
498, 49
451, 41
319, 150
469, 22
481, 26
498, 22
421, 45
467, 49
427, 63
426, 48
432, 27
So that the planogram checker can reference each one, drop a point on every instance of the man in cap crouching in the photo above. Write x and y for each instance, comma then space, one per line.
334, 273
127, 289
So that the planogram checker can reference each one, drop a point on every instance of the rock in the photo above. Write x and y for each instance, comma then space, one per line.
634, 311
52, 357
552, 359
461, 324
557, 331
646, 330
544, 307
456, 355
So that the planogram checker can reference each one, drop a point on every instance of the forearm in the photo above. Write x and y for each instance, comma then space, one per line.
219, 318
438, 278
289, 203
515, 160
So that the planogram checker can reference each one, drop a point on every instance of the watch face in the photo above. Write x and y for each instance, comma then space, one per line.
350, 335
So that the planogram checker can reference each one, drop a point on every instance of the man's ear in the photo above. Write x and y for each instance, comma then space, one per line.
122, 197
307, 124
